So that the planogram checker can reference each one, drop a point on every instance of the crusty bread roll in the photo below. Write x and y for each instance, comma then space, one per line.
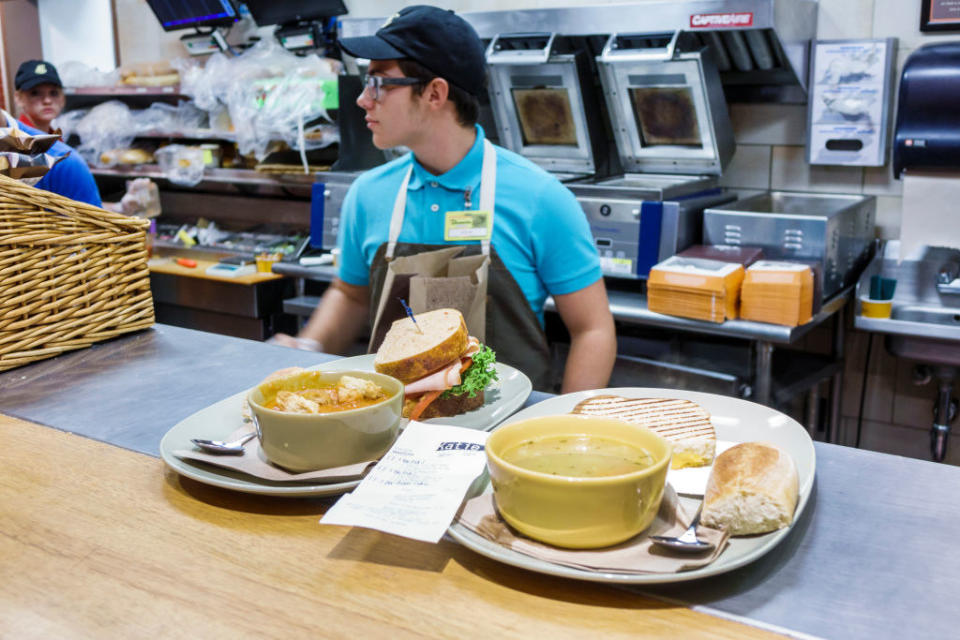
752, 489
408, 353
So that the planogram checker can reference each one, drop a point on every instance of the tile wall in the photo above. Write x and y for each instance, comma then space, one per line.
770, 155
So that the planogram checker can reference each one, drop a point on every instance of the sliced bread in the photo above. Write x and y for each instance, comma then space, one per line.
445, 407
409, 351
684, 423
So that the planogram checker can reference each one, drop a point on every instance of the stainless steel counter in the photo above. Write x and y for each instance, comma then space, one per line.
631, 307
864, 561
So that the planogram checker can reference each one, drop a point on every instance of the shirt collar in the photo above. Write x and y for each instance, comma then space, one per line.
465, 174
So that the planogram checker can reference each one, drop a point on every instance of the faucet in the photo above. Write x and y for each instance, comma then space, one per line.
948, 278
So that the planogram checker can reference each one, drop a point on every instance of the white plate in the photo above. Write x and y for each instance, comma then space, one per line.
735, 420
219, 420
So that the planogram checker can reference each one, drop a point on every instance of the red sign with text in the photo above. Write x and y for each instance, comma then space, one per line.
720, 20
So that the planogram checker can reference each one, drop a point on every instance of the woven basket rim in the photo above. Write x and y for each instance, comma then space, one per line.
15, 191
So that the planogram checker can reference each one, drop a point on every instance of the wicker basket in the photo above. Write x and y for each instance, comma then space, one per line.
71, 274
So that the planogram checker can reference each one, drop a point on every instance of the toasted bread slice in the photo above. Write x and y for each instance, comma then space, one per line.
408, 353
445, 407
684, 423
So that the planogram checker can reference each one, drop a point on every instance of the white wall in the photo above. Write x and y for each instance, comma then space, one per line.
80, 30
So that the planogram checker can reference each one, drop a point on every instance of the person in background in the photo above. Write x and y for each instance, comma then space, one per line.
425, 75
39, 94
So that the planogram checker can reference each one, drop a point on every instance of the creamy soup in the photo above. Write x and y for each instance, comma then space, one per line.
581, 456
348, 393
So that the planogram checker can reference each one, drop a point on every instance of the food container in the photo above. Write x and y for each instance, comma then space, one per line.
311, 441
870, 308
265, 261
577, 511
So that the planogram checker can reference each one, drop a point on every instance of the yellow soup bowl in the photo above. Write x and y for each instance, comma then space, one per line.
576, 511
311, 441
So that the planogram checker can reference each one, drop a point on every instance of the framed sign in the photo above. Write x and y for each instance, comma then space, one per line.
940, 15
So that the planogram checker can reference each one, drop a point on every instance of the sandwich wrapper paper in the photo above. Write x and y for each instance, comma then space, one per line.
637, 555
254, 463
433, 280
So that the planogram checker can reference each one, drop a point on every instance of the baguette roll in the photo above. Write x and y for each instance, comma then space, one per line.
752, 489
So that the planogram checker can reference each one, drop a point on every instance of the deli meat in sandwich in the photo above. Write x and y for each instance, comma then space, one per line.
445, 370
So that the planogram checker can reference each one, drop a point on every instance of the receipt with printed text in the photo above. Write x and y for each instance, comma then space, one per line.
416, 489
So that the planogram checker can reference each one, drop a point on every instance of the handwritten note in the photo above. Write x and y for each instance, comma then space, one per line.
416, 489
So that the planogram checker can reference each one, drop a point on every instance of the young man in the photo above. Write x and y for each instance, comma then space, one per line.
427, 69
39, 94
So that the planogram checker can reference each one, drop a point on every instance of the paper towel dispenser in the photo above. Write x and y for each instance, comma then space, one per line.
927, 134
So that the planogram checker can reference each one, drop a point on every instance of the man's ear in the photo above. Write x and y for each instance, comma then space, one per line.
436, 93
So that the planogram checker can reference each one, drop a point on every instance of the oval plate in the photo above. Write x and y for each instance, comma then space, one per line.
734, 420
219, 420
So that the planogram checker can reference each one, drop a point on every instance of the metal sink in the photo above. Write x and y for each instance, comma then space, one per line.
933, 315
924, 322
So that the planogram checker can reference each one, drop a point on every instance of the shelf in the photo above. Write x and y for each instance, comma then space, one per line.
211, 176
78, 97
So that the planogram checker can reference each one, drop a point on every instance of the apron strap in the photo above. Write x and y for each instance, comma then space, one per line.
396, 220
488, 187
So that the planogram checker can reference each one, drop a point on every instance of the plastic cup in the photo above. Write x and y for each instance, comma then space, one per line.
870, 308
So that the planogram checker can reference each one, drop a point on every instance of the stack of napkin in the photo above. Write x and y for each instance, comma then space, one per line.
695, 288
778, 293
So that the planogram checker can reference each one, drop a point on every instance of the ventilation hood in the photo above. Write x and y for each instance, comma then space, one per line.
760, 47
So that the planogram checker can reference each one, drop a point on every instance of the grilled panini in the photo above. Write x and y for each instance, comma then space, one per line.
685, 424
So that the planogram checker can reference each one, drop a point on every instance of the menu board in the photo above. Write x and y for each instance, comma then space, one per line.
850, 105
940, 15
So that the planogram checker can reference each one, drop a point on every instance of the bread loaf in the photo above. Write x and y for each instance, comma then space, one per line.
410, 352
752, 489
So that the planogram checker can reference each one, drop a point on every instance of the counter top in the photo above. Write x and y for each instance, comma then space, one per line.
858, 564
631, 307
121, 547
170, 267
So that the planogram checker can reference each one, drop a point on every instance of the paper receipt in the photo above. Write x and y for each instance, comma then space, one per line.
416, 489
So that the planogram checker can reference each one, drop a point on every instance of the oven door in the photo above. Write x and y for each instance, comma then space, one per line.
539, 111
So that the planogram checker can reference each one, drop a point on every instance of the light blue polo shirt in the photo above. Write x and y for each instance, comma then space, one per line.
539, 229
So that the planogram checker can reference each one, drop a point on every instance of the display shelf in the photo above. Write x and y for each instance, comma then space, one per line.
211, 176
134, 96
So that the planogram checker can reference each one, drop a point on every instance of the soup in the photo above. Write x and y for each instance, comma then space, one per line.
348, 393
580, 456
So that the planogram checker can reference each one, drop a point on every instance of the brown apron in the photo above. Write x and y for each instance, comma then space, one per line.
512, 328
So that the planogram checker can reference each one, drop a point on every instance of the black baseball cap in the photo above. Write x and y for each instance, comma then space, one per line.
34, 72
439, 39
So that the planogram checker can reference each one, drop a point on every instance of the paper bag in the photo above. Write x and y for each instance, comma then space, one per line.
434, 280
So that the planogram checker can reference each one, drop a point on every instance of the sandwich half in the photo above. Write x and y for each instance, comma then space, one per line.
684, 423
445, 370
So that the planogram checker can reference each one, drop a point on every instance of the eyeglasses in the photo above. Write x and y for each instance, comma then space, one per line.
375, 84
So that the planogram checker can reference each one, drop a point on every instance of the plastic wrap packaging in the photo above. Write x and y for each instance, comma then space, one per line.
77, 74
271, 95
142, 199
181, 165
107, 126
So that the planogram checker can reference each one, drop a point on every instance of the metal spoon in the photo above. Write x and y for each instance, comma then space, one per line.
234, 447
688, 540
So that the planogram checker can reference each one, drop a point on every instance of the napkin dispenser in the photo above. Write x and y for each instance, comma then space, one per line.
927, 134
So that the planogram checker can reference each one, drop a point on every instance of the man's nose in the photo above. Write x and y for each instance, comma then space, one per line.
365, 99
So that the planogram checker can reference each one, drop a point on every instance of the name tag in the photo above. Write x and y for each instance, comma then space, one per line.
467, 225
